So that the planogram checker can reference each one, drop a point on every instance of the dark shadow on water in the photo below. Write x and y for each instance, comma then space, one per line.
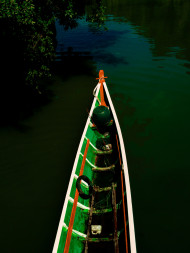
109, 58
75, 64
134, 131
98, 56
92, 42
19, 102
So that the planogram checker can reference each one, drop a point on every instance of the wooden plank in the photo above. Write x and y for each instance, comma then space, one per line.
103, 152
102, 211
108, 188
105, 239
101, 169
89, 221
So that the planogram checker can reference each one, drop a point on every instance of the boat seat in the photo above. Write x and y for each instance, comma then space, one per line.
103, 152
99, 189
102, 169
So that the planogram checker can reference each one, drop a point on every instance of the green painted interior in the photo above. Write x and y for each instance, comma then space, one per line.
81, 217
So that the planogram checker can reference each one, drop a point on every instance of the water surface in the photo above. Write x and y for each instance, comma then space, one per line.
146, 54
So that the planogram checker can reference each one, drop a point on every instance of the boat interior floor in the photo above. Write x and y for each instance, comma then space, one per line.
105, 208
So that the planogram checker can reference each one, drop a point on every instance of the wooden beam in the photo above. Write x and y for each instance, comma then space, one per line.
116, 244
98, 189
101, 169
89, 221
105, 239
103, 152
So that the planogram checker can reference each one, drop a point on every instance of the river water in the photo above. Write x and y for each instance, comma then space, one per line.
145, 52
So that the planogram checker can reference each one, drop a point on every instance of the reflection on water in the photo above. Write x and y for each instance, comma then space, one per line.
90, 40
165, 23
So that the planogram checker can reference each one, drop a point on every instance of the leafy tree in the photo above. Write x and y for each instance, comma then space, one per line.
25, 23
97, 13
31, 23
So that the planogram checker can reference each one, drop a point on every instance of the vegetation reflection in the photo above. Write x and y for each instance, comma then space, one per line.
164, 22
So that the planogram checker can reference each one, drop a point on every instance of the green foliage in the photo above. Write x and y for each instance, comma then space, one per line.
25, 21
97, 13
32, 23
20, 13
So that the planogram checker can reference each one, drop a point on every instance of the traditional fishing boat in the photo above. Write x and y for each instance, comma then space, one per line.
97, 214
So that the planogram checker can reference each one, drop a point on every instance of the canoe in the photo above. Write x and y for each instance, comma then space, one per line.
97, 214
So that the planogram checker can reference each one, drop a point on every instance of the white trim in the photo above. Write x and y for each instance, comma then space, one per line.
126, 174
91, 144
79, 204
75, 231
92, 165
56, 244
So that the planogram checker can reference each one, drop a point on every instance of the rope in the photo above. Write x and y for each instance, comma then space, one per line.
100, 79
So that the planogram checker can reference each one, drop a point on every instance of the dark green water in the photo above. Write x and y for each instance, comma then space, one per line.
146, 54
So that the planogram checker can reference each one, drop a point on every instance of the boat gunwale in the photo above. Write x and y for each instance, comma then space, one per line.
61, 222
126, 173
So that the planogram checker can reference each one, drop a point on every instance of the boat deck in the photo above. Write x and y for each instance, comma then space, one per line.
106, 208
